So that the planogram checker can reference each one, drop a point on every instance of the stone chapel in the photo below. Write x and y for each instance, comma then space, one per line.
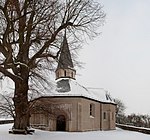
70, 106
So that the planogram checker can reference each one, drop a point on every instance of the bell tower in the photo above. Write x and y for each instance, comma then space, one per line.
65, 68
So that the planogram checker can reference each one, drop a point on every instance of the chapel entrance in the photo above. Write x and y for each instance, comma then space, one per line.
61, 123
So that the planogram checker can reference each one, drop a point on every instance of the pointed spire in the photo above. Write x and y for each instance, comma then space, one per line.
65, 68
65, 60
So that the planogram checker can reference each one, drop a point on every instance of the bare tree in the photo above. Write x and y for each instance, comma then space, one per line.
6, 105
30, 36
120, 110
120, 106
138, 120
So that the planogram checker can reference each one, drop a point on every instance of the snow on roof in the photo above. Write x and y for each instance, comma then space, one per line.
77, 90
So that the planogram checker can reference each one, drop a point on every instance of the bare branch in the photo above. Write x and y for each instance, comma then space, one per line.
9, 74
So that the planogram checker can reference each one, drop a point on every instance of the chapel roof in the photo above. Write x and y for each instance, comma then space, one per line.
74, 89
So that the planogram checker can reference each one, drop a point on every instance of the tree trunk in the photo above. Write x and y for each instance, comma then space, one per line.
21, 121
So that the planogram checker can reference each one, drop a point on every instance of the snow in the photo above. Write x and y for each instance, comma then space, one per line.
117, 134
98, 94
5, 118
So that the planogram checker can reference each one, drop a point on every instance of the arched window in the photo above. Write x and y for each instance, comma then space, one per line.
65, 73
92, 110
104, 116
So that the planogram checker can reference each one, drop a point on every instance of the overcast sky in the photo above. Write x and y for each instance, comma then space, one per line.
119, 59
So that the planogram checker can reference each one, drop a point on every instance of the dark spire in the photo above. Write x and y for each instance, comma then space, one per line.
65, 60
65, 67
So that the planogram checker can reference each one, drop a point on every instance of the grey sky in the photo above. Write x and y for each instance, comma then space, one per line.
119, 59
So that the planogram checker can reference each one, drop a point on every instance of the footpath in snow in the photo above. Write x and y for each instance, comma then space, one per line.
117, 134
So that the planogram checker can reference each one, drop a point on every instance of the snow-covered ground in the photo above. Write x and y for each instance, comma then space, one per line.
117, 134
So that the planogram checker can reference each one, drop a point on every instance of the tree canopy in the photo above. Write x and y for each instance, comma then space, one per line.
31, 32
